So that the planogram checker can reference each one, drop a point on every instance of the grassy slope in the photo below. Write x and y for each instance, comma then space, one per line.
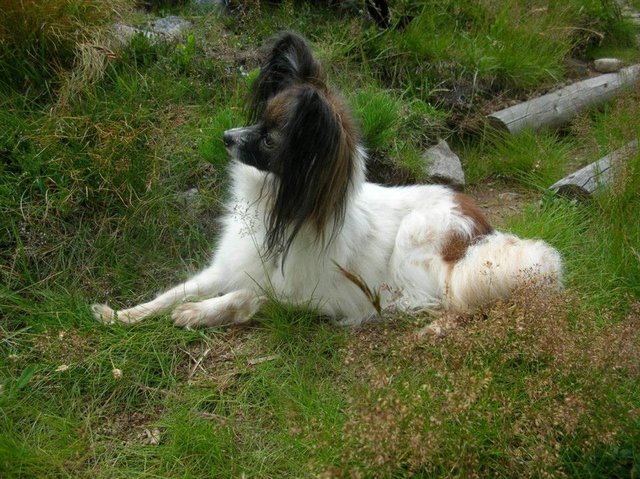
93, 208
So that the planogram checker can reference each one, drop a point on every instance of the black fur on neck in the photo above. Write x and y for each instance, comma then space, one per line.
314, 171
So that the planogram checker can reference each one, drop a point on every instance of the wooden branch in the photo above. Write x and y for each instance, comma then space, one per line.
599, 174
557, 108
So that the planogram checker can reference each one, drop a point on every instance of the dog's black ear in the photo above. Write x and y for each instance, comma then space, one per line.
289, 62
314, 169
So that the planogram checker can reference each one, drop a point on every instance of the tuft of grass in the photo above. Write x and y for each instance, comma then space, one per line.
39, 38
602, 25
396, 130
379, 115
533, 159
476, 50
211, 147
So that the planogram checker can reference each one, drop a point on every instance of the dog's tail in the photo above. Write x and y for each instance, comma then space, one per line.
496, 265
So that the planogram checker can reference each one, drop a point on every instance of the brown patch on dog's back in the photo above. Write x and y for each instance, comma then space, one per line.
457, 242
455, 246
469, 209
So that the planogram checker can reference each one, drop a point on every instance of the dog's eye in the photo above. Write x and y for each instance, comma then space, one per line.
267, 141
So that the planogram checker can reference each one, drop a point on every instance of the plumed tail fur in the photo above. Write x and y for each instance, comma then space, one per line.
497, 265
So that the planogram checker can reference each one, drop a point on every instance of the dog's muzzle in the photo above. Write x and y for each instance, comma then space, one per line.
237, 136
243, 144
228, 139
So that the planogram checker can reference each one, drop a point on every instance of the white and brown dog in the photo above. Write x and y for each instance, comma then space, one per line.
304, 226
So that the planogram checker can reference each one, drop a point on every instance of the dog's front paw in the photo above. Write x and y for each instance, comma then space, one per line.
188, 315
103, 313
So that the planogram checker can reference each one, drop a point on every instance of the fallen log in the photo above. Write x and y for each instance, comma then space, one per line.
584, 182
557, 108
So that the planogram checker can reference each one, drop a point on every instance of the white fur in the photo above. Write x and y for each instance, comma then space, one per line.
391, 238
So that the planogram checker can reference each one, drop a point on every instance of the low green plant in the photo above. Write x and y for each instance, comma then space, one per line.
211, 147
534, 159
379, 116
185, 52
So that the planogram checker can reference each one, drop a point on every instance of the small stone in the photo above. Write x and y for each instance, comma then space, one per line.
151, 437
443, 165
508, 196
607, 65
171, 27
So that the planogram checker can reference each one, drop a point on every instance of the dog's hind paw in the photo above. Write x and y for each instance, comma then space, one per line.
103, 313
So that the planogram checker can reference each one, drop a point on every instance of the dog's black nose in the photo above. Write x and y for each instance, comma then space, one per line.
227, 139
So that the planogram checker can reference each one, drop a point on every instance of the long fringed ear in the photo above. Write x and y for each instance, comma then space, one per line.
315, 170
290, 62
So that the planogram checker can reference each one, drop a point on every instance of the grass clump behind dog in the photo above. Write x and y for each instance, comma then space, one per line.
480, 49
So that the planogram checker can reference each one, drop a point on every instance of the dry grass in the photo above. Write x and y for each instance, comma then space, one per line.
41, 38
509, 390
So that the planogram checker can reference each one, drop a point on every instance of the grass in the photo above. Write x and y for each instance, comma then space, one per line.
39, 39
110, 185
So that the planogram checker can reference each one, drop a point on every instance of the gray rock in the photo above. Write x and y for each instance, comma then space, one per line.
607, 65
443, 165
171, 27
123, 33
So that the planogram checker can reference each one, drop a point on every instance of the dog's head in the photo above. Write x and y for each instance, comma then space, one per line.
303, 135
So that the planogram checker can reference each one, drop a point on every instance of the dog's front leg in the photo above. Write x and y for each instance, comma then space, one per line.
232, 308
207, 283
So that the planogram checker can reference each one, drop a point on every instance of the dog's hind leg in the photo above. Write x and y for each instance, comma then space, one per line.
206, 283
232, 308
415, 265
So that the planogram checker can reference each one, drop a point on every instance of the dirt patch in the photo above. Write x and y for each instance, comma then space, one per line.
130, 428
221, 359
246, 57
64, 346
499, 201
